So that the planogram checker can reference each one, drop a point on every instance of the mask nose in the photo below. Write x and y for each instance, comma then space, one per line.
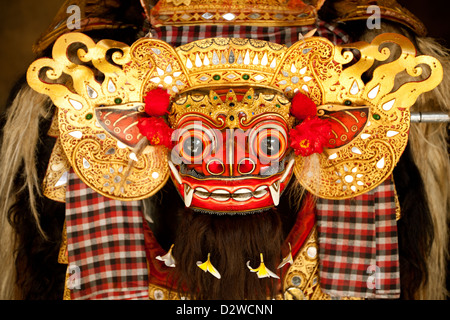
232, 158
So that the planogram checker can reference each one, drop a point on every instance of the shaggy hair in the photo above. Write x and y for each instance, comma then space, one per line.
231, 241
432, 140
19, 173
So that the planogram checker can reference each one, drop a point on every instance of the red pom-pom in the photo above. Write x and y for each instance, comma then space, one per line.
302, 107
157, 102
310, 136
157, 131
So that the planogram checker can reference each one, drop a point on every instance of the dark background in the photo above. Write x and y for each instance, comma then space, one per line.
23, 21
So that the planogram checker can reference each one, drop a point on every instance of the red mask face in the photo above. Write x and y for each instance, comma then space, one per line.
242, 169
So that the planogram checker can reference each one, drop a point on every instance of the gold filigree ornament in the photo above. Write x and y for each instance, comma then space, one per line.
238, 12
362, 158
99, 90
88, 90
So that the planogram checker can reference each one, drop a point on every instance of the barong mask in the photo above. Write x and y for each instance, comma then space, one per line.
231, 121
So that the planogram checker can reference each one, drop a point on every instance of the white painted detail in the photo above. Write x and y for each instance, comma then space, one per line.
91, 92
76, 104
76, 134
111, 86
391, 133
121, 145
155, 175
388, 105
293, 68
198, 61
264, 60
63, 180
86, 164
311, 252
381, 163
160, 71
256, 60
354, 89
133, 156
168, 80
333, 156
229, 16
273, 64
247, 58
374, 92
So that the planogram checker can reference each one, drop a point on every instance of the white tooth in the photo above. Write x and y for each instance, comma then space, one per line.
242, 197
188, 194
175, 172
260, 192
275, 192
220, 191
242, 194
220, 195
202, 193
243, 190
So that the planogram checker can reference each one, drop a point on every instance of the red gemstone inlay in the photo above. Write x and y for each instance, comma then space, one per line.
215, 167
246, 166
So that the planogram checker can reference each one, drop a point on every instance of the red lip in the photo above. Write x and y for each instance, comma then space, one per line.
230, 195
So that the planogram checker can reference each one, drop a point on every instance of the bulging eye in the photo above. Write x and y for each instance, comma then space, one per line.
193, 146
268, 141
195, 142
270, 145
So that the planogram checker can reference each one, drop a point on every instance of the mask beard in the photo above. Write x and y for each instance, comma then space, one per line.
231, 241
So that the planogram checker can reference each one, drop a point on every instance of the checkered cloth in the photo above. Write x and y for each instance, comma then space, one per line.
106, 245
177, 36
358, 249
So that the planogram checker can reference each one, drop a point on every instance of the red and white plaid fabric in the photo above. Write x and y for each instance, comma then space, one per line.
358, 249
106, 245
177, 36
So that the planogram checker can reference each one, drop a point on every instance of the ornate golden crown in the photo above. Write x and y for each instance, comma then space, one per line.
99, 107
263, 12
230, 111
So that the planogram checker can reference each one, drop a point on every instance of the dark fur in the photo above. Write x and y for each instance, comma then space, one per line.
415, 228
232, 241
